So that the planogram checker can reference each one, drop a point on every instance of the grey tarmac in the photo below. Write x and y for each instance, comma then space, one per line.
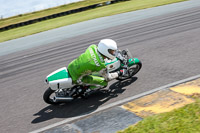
63, 33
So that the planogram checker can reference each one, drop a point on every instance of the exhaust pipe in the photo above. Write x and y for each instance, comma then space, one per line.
62, 99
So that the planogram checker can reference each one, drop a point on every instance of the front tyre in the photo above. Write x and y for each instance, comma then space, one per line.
47, 97
134, 69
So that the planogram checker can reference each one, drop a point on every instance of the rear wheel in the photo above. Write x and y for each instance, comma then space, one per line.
49, 95
132, 71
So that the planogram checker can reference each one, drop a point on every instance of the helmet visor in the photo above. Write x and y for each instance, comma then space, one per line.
112, 52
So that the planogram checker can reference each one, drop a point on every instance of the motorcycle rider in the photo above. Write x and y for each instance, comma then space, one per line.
93, 60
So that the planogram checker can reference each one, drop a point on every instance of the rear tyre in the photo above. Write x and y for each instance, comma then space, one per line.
132, 71
47, 96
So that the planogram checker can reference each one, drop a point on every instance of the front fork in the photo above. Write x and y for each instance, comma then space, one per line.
128, 63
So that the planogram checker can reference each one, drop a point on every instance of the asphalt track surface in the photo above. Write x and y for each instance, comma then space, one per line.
167, 45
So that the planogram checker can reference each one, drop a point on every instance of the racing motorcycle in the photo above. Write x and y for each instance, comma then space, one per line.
62, 90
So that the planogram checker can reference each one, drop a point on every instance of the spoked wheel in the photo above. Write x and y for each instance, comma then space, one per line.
49, 95
132, 71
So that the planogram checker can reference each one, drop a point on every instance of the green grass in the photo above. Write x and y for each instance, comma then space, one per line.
50, 11
82, 16
182, 120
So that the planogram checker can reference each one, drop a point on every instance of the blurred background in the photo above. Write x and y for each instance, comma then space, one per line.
10, 8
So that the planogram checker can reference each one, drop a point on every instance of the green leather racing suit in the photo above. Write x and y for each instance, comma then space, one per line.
90, 61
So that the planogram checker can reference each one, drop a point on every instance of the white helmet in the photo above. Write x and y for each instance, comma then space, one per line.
105, 47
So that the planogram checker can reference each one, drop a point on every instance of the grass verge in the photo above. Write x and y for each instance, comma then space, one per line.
46, 12
113, 9
182, 120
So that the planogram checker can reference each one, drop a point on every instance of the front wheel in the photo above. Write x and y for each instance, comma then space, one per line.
48, 98
131, 71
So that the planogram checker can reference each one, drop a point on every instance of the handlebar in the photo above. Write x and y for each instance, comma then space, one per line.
123, 56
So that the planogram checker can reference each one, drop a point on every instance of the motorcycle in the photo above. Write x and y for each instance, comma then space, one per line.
61, 90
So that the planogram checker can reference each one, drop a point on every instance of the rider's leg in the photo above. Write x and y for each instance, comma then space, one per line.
94, 80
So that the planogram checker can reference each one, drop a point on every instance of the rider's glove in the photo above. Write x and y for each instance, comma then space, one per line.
112, 76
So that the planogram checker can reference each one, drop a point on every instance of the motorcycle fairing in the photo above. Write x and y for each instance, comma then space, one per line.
59, 79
